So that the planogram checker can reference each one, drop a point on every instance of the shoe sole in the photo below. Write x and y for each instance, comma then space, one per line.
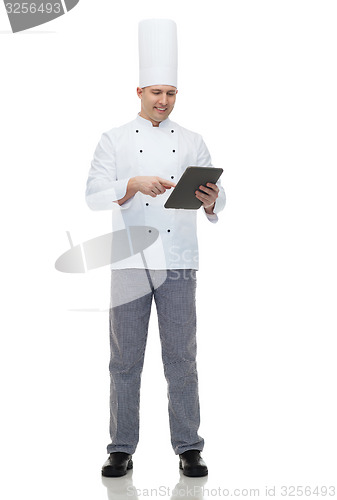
193, 473
109, 471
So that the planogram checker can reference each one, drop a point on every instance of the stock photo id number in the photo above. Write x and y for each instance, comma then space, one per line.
25, 15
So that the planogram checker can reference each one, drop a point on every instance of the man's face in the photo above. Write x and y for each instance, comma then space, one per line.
157, 102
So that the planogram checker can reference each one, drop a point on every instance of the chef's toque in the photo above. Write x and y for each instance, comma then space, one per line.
158, 52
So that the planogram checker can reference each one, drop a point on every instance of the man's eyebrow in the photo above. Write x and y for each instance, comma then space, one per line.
160, 90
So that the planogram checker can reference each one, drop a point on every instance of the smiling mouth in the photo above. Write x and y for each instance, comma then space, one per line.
161, 110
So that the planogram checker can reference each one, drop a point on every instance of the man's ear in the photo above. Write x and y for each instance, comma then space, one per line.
139, 92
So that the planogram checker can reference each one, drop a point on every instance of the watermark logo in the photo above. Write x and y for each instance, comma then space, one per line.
25, 15
113, 248
107, 249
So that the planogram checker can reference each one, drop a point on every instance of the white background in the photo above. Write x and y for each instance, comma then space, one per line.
258, 80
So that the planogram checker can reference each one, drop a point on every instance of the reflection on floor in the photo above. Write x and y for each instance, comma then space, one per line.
122, 488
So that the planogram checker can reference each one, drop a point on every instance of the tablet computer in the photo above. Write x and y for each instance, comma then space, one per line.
183, 195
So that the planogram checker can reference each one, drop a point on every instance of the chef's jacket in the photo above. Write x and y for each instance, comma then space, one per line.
138, 148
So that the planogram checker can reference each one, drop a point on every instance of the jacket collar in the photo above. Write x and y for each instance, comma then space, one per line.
146, 123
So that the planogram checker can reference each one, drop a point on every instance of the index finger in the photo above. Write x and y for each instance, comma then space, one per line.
166, 183
212, 186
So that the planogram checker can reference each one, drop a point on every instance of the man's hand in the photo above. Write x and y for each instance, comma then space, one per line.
152, 185
208, 195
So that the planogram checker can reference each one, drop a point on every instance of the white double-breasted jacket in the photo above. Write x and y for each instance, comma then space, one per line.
137, 148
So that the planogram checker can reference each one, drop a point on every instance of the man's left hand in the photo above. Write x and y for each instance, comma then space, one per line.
208, 194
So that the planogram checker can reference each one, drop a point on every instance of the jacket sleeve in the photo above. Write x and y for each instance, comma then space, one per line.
103, 187
204, 160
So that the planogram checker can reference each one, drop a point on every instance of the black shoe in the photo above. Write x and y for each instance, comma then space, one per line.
117, 464
192, 464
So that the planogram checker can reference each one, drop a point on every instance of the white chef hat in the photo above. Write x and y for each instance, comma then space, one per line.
158, 52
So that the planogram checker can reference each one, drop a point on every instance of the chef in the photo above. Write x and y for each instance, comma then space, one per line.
134, 169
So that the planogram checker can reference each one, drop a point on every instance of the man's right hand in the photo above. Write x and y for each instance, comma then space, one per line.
152, 185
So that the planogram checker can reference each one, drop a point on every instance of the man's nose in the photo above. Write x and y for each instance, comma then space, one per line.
163, 99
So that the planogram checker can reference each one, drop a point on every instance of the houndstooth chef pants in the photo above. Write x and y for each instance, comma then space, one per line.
132, 291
